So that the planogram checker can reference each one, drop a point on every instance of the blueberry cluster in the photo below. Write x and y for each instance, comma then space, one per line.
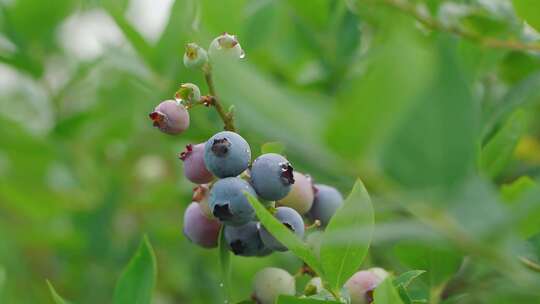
223, 169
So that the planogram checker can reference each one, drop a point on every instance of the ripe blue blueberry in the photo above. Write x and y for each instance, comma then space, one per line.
194, 167
228, 202
361, 285
269, 283
200, 229
327, 201
195, 56
244, 240
170, 117
272, 176
227, 154
291, 219
300, 198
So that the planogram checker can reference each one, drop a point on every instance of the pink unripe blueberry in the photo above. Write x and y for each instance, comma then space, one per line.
300, 198
170, 117
271, 282
361, 285
194, 167
200, 229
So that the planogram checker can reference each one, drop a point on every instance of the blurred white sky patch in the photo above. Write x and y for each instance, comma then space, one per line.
87, 35
149, 17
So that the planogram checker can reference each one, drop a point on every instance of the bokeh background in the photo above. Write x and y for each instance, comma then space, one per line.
438, 127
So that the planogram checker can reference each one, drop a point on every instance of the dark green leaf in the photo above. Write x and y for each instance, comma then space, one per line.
341, 258
136, 284
285, 236
496, 154
56, 297
386, 293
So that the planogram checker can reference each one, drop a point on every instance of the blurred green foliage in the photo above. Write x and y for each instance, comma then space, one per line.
441, 129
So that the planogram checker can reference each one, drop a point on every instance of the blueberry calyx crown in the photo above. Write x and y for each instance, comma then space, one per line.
221, 146
185, 154
289, 226
159, 119
222, 212
199, 193
287, 173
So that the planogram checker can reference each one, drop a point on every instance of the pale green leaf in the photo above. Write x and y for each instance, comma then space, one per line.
136, 284
386, 293
341, 258
406, 278
56, 297
528, 10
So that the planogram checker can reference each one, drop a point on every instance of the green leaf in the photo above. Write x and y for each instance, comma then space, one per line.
56, 297
440, 263
273, 147
528, 10
225, 264
294, 300
436, 143
513, 191
341, 257
403, 294
497, 153
386, 293
406, 278
285, 236
137, 282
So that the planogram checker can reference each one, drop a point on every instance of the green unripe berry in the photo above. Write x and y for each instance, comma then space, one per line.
271, 282
195, 57
188, 92
225, 46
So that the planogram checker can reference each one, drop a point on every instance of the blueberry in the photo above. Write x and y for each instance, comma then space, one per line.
300, 198
225, 46
291, 219
170, 117
270, 282
195, 56
189, 93
327, 201
272, 176
194, 167
228, 202
227, 154
244, 240
361, 285
200, 229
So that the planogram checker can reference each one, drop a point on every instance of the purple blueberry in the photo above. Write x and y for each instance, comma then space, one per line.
291, 219
269, 283
272, 176
227, 154
194, 167
200, 229
361, 285
228, 202
327, 201
170, 117
244, 240
300, 198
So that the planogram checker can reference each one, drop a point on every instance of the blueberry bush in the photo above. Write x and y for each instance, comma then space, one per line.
258, 151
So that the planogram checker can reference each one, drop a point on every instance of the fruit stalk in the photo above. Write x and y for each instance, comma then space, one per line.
227, 118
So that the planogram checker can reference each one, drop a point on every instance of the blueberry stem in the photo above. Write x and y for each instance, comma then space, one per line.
432, 23
227, 118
